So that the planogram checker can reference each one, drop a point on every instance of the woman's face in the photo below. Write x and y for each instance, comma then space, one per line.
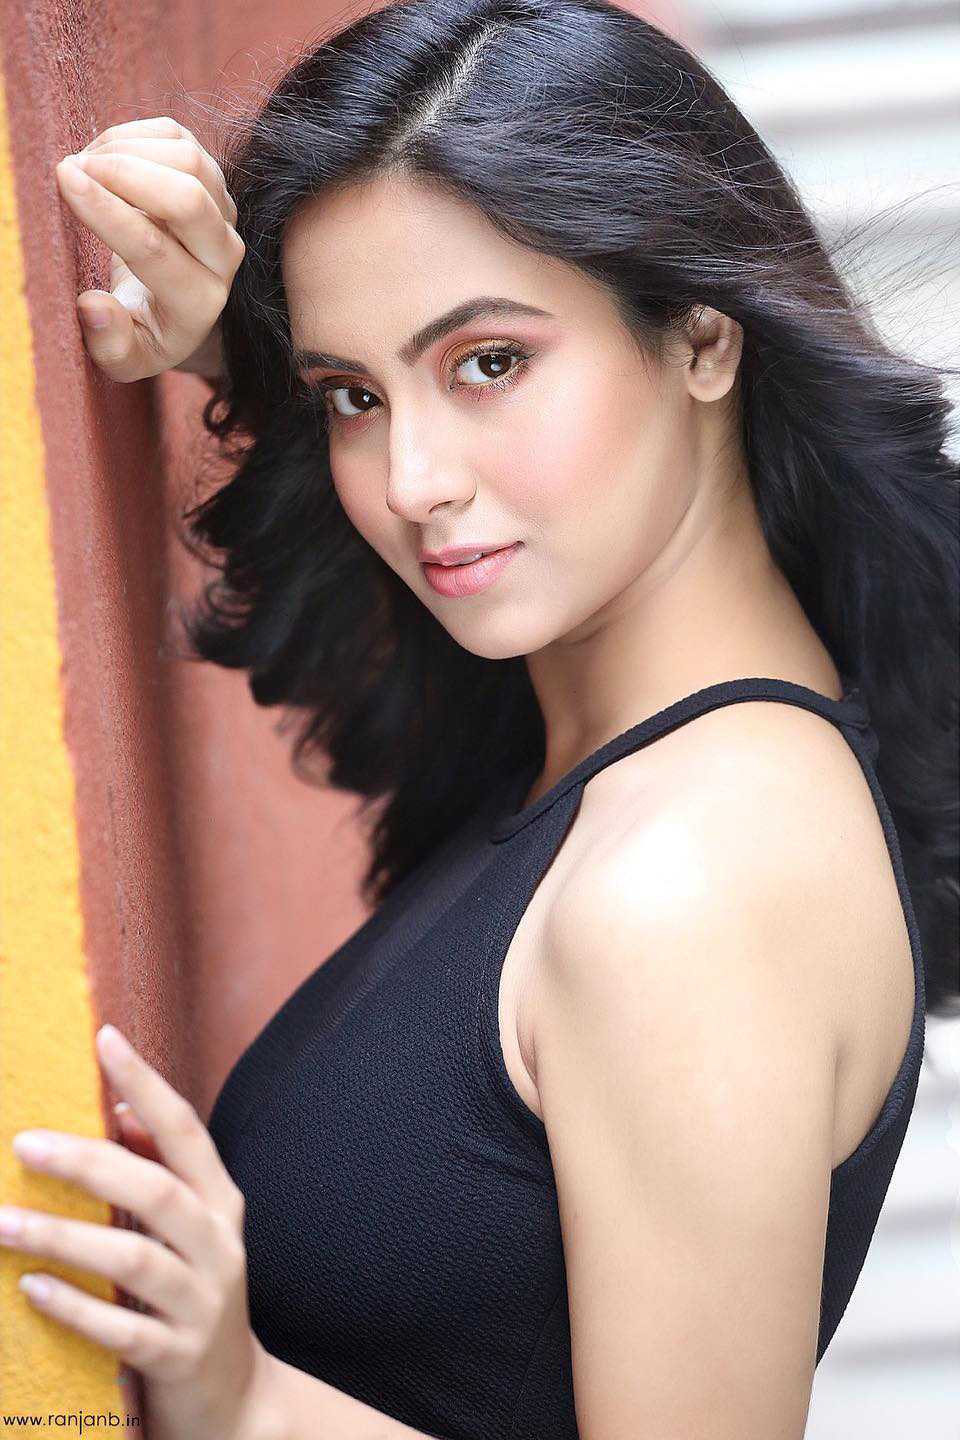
546, 431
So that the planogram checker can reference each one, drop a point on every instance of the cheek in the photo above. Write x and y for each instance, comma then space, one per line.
360, 502
544, 460
580, 459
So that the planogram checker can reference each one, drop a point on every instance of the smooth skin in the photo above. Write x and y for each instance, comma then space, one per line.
151, 192
620, 478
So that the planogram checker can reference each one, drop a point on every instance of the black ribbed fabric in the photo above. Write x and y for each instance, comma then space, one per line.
402, 1230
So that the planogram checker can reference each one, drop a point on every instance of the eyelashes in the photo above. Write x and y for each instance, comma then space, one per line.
519, 353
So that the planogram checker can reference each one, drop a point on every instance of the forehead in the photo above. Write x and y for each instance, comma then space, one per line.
394, 221
393, 252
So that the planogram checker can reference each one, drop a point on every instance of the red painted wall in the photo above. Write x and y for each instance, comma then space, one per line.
213, 880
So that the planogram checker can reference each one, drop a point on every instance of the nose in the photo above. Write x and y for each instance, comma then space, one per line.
425, 471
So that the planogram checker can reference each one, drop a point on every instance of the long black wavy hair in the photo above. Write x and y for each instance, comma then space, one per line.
589, 135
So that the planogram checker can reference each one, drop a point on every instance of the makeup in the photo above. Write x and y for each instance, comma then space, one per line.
455, 581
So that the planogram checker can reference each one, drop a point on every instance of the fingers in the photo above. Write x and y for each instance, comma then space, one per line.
182, 1140
133, 1133
158, 200
185, 296
178, 155
154, 125
119, 346
139, 1340
150, 1192
163, 131
181, 200
152, 1272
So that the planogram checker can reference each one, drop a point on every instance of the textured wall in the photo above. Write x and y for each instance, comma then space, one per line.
161, 867
44, 994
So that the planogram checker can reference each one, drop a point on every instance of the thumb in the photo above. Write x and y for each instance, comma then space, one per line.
109, 335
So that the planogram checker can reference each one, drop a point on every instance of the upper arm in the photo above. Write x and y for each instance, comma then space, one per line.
686, 1065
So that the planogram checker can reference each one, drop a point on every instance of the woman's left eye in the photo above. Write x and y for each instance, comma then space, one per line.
494, 369
495, 366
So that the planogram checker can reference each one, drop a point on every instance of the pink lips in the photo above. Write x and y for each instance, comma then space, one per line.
458, 580
454, 554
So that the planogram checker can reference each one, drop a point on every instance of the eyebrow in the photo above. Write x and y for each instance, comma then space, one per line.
478, 308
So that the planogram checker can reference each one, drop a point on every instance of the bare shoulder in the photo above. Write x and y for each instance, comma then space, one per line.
731, 813
698, 958
777, 767
755, 813
748, 792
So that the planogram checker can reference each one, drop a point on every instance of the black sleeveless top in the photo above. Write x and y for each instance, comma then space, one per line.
402, 1230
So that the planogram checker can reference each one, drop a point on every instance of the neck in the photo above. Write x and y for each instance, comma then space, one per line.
712, 607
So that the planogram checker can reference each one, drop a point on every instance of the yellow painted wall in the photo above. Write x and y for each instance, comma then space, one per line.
160, 863
49, 1075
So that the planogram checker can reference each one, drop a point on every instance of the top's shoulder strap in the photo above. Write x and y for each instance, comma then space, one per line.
849, 713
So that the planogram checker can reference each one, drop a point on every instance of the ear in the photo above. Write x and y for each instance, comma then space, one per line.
715, 345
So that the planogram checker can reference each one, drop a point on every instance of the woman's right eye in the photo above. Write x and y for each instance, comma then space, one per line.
355, 395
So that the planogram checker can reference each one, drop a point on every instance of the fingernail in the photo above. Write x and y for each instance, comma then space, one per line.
11, 1222
32, 1145
96, 319
38, 1287
74, 178
120, 1108
112, 1044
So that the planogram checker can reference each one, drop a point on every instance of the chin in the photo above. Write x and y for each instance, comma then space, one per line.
500, 639
485, 641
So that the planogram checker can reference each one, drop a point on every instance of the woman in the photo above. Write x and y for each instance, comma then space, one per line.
587, 1129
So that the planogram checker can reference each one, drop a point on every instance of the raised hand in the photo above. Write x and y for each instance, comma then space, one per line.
150, 191
204, 1370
